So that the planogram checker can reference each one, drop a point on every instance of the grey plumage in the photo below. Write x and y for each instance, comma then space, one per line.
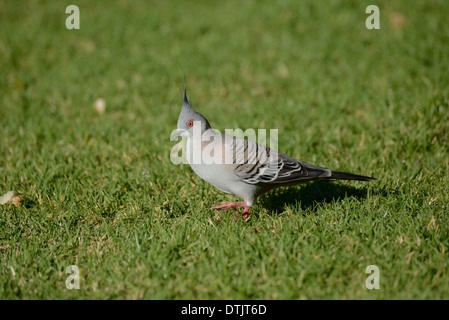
284, 170
251, 169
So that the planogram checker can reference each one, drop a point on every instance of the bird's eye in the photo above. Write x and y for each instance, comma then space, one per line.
190, 123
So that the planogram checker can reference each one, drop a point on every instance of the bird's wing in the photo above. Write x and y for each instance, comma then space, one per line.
255, 163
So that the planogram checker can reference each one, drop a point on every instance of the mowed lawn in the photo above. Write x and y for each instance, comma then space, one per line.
101, 193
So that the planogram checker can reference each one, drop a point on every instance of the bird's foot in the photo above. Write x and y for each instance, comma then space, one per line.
245, 214
234, 205
231, 205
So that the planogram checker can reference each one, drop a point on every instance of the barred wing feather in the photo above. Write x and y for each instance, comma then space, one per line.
255, 163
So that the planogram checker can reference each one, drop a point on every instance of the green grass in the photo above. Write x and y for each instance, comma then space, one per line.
101, 193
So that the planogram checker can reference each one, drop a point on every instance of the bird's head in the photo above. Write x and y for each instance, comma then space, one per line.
189, 119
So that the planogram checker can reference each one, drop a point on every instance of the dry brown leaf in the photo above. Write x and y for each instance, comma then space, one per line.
11, 197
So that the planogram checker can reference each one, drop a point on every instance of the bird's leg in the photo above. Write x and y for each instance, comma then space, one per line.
230, 205
245, 214
233, 205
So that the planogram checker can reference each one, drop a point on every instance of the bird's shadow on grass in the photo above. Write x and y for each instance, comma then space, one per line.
309, 196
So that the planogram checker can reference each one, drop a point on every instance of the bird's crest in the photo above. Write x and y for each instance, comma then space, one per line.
185, 90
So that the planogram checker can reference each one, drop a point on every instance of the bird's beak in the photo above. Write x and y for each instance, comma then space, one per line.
178, 133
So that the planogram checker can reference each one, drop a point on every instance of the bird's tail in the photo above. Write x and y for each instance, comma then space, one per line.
349, 176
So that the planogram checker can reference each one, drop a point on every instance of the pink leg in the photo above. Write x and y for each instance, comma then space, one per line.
233, 205
245, 214
226, 206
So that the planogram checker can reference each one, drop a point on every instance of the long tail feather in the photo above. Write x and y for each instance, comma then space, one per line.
349, 176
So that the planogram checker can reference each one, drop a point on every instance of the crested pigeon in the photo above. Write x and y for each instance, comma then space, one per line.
243, 167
